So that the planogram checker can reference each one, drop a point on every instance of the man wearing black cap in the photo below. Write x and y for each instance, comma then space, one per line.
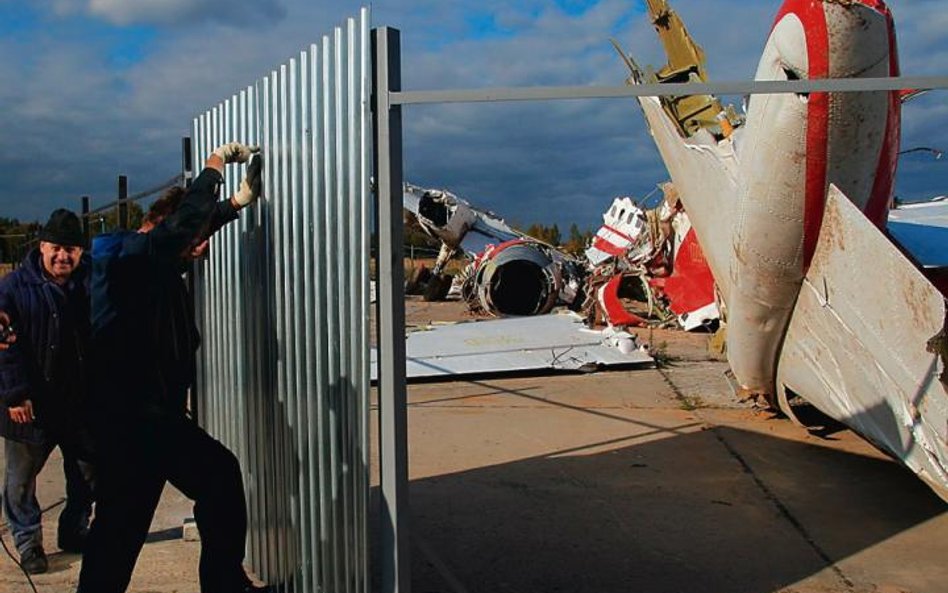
42, 386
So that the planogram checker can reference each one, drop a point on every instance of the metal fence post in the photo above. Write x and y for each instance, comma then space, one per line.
122, 203
85, 219
393, 415
187, 173
187, 162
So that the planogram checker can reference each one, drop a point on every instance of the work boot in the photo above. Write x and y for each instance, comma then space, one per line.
33, 561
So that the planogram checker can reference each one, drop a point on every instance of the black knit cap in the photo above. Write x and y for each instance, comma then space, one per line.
63, 228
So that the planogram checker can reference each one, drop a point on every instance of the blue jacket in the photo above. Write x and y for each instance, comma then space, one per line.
52, 324
144, 336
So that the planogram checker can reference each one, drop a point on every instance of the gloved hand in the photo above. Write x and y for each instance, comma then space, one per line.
235, 152
250, 185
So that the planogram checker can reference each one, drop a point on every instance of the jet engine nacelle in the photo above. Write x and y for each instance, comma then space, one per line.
521, 277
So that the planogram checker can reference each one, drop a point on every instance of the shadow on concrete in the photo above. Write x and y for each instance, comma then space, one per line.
672, 515
62, 561
164, 535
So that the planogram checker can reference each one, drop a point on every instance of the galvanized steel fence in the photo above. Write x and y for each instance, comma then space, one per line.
283, 304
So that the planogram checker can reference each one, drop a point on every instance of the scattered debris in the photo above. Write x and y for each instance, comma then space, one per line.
637, 256
544, 342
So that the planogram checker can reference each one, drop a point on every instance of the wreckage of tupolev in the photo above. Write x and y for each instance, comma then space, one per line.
789, 201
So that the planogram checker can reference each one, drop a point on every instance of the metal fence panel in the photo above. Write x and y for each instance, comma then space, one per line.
283, 304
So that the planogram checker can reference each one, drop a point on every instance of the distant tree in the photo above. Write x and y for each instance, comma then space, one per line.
110, 219
544, 233
16, 238
536, 231
576, 242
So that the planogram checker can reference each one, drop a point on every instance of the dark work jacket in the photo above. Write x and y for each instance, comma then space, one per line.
47, 364
144, 336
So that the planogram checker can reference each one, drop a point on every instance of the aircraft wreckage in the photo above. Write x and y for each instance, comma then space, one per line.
789, 202
775, 221
651, 254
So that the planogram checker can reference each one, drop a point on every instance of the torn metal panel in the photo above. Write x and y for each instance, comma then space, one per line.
872, 358
611, 307
554, 342
686, 64
455, 222
655, 251
624, 232
690, 289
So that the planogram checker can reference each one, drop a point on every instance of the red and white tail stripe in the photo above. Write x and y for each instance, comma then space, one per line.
835, 146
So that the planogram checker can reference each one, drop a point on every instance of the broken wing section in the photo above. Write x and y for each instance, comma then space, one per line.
866, 343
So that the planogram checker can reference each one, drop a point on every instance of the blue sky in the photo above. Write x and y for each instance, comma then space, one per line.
97, 88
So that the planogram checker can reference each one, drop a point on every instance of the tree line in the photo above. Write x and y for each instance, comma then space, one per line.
575, 243
18, 237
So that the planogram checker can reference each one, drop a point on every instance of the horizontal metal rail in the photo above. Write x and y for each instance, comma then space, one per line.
752, 87
176, 180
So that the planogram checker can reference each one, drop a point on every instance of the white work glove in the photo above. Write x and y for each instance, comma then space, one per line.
235, 152
250, 185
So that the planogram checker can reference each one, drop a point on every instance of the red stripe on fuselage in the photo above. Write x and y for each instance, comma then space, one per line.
607, 247
617, 232
813, 17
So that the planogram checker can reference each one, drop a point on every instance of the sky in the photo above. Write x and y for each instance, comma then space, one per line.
92, 89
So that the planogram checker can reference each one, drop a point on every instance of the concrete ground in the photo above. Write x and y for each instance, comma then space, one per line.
168, 564
651, 480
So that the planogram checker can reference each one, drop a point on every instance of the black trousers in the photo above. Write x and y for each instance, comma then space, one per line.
134, 463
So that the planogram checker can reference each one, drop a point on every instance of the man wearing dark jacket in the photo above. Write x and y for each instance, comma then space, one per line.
43, 386
7, 333
144, 342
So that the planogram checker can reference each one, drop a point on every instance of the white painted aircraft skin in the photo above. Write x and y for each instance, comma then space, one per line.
800, 272
863, 354
756, 198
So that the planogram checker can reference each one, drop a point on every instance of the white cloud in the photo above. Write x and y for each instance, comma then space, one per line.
170, 12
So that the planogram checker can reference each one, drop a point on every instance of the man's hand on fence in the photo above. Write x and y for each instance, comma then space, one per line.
250, 185
235, 152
